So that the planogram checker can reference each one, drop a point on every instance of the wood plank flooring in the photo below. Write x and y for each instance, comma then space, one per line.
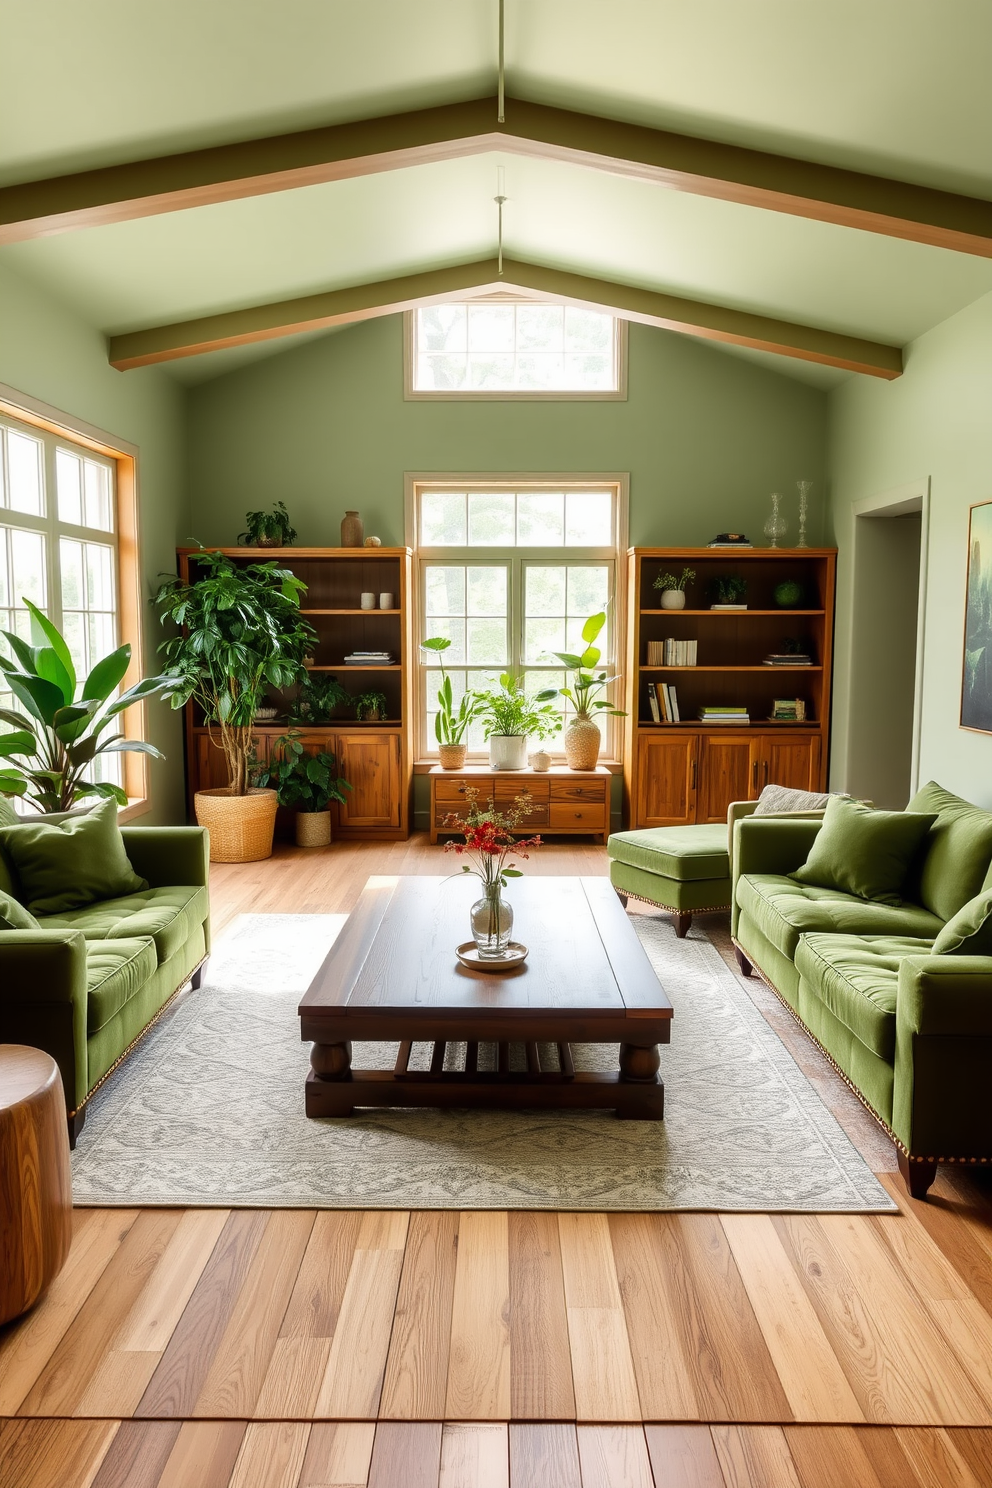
294, 1349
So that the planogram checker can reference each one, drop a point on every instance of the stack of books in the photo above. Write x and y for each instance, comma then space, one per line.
723, 714
671, 652
729, 540
370, 658
788, 658
663, 703
788, 710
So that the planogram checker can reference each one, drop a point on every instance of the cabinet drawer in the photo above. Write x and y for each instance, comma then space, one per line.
508, 790
452, 791
588, 818
592, 791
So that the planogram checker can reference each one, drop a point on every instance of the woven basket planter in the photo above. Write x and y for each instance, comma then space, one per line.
451, 756
581, 740
313, 828
240, 827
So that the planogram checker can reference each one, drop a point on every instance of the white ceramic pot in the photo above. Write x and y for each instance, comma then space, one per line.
508, 751
673, 599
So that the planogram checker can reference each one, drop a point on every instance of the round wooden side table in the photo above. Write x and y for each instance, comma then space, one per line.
35, 1180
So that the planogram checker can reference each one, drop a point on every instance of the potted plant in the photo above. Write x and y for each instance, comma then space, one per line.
450, 724
370, 707
306, 781
268, 529
727, 592
318, 696
242, 633
510, 717
673, 589
582, 737
58, 736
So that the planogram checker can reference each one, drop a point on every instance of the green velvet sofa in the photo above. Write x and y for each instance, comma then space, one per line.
910, 1031
87, 983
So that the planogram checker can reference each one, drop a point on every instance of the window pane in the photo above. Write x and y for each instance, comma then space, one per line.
545, 590
101, 639
441, 372
527, 347
453, 628
28, 563
588, 589
73, 581
541, 519
589, 519
487, 642
491, 328
69, 480
99, 577
542, 638
441, 328
486, 590
445, 587
73, 628
98, 508
540, 327
588, 331
490, 372
491, 519
24, 462
442, 519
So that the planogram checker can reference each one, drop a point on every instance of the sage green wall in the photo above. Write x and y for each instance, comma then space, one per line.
705, 436
935, 421
49, 353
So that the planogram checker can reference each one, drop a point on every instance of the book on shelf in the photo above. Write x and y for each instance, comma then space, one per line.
730, 540
673, 699
728, 607
788, 710
788, 658
370, 658
723, 713
661, 692
653, 704
672, 653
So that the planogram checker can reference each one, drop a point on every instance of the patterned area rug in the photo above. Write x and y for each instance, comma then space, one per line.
209, 1109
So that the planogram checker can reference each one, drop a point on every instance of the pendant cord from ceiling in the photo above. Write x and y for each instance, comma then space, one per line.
499, 199
500, 93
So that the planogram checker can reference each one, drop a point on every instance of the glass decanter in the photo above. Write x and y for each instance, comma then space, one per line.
776, 526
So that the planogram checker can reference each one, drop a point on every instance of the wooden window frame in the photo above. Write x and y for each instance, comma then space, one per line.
124, 456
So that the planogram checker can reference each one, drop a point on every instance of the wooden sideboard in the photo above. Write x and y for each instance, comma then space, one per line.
564, 801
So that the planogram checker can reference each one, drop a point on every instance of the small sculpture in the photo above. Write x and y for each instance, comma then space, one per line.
373, 542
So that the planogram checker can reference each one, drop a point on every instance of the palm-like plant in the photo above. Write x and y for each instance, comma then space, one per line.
58, 736
450, 723
586, 680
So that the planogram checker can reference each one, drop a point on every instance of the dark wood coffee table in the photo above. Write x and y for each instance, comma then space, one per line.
392, 974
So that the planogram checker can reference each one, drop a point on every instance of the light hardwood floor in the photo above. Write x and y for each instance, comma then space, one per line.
293, 1349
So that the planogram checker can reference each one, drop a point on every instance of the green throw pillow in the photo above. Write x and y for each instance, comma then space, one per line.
77, 861
864, 852
970, 931
14, 916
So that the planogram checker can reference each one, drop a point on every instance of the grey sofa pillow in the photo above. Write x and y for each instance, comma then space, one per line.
778, 798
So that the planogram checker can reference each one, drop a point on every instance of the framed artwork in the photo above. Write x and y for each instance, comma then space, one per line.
976, 691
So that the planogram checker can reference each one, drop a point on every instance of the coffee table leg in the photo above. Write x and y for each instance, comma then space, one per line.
330, 1067
639, 1065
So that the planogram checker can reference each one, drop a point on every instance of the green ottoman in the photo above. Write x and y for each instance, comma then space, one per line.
684, 869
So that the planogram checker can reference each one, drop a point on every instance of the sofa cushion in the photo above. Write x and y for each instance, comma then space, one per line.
969, 933
776, 799
165, 915
13, 915
76, 861
857, 978
674, 852
865, 852
783, 910
958, 850
115, 971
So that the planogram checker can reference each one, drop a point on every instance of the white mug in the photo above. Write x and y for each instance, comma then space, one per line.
386, 602
368, 601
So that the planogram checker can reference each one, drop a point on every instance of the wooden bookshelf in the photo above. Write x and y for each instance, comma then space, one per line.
375, 757
690, 771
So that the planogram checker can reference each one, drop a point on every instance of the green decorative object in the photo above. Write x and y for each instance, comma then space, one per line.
789, 594
268, 529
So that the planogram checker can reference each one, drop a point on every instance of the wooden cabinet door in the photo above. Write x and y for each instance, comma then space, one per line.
371, 764
666, 781
788, 759
726, 773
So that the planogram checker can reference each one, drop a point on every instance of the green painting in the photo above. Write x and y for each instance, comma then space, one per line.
976, 693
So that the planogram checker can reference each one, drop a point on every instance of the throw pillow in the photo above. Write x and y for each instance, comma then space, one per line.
954, 868
969, 933
779, 798
76, 861
864, 852
14, 916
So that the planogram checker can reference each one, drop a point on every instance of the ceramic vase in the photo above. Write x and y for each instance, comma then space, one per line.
581, 740
673, 599
508, 751
352, 530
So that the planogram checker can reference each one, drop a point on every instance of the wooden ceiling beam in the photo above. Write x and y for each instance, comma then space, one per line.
365, 301
779, 183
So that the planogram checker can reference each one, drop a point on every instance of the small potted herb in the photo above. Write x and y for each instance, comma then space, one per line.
510, 718
450, 723
727, 592
268, 529
673, 589
307, 781
370, 707
317, 698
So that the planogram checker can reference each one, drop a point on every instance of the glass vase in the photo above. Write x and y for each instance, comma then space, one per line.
492, 924
776, 526
805, 486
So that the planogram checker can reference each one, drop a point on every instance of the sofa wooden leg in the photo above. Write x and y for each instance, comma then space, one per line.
76, 1121
683, 919
622, 897
917, 1174
743, 962
196, 979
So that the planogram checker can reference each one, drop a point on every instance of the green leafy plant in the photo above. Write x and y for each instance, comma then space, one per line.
450, 723
318, 696
586, 680
728, 589
307, 781
242, 632
268, 529
58, 736
669, 581
370, 706
507, 711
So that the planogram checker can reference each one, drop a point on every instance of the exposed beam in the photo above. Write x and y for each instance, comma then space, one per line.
385, 297
778, 183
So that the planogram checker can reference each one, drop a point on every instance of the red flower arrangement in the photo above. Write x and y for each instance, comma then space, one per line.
489, 838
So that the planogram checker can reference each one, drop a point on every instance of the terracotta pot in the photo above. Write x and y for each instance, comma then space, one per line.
673, 599
240, 827
352, 530
581, 740
313, 828
451, 756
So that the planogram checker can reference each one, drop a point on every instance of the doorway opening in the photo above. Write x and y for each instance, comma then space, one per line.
886, 664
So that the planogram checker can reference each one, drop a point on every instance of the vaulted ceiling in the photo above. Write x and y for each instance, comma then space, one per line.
758, 245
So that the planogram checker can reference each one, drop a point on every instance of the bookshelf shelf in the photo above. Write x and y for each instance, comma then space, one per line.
779, 614
761, 668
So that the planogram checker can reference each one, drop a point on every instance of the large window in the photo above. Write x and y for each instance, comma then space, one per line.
59, 547
505, 348
509, 572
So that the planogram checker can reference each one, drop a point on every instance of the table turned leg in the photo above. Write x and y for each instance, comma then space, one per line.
639, 1066
639, 1063
328, 1092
